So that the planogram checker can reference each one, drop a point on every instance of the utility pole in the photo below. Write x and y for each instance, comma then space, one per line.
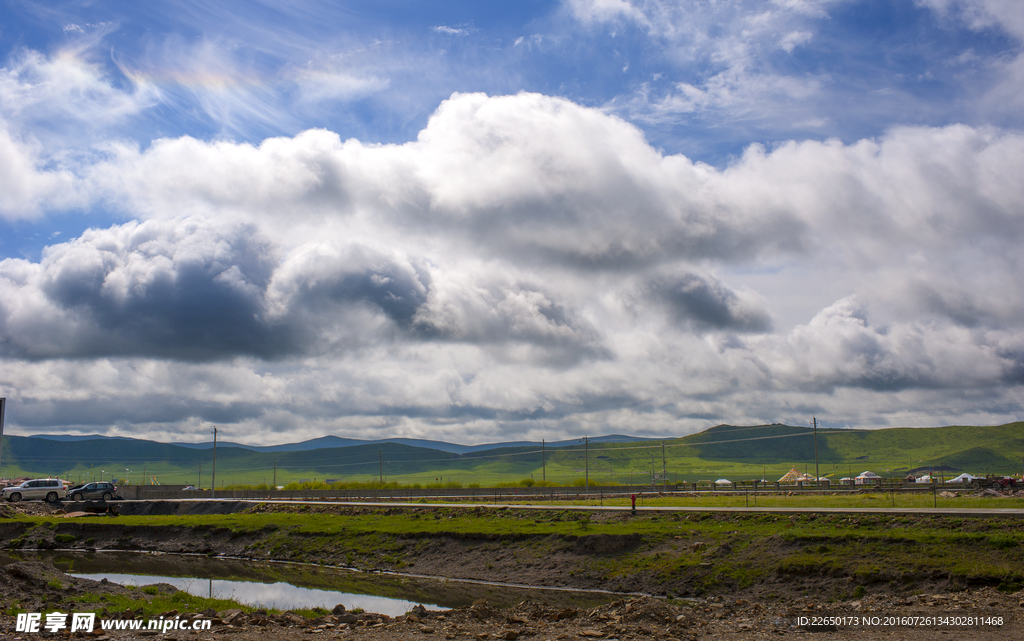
213, 479
3, 409
199, 485
664, 475
275, 474
654, 476
544, 462
586, 463
380, 461
817, 474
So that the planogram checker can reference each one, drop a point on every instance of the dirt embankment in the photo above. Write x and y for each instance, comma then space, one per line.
983, 614
723, 558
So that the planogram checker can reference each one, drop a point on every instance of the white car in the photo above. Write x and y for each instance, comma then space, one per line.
46, 489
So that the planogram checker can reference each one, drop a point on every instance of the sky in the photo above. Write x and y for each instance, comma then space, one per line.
488, 221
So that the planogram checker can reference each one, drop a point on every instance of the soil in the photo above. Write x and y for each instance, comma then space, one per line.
38, 587
742, 614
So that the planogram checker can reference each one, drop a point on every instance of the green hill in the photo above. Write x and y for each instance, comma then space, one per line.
736, 452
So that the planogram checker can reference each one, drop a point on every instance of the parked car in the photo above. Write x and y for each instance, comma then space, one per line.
98, 490
47, 489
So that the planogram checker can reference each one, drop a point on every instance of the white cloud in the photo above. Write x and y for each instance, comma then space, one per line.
794, 39
335, 84
27, 188
720, 55
65, 91
983, 14
450, 31
526, 264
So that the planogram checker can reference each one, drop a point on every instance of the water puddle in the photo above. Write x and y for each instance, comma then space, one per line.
282, 596
289, 585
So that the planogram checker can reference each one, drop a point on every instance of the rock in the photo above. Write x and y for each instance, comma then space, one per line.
418, 610
227, 616
338, 609
426, 629
510, 635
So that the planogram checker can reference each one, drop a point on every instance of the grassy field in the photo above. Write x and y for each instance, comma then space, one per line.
736, 453
766, 500
677, 554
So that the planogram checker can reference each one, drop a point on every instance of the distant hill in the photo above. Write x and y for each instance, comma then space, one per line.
724, 450
336, 441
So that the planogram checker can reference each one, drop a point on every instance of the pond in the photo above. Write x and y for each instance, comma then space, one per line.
292, 585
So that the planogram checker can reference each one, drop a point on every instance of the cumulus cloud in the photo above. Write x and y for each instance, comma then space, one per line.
27, 187
185, 291
706, 303
526, 265
841, 348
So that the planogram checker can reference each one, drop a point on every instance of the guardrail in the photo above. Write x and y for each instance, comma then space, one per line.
484, 495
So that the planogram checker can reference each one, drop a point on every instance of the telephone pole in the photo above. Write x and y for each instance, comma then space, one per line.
213, 478
664, 473
3, 409
275, 475
586, 464
543, 462
380, 461
817, 475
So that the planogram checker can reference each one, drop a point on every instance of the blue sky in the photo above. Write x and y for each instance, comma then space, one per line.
479, 221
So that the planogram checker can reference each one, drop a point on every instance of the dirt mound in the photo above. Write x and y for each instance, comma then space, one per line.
34, 508
33, 585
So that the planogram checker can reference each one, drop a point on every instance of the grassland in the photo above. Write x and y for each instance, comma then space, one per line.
766, 451
682, 554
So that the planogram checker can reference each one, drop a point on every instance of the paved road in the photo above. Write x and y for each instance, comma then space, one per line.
916, 511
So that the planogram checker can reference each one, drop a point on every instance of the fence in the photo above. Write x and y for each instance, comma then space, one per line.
484, 495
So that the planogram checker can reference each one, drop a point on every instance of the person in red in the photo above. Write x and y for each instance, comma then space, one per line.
633, 497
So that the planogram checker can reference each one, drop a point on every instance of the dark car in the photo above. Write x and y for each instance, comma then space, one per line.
99, 490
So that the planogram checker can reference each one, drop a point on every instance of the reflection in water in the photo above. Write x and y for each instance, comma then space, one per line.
282, 596
292, 585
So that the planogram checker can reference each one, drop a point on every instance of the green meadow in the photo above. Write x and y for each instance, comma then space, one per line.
733, 452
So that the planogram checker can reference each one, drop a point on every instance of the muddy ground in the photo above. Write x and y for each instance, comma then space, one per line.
903, 610
983, 614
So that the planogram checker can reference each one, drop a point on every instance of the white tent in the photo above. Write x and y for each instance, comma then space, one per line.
924, 479
963, 478
865, 476
723, 482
